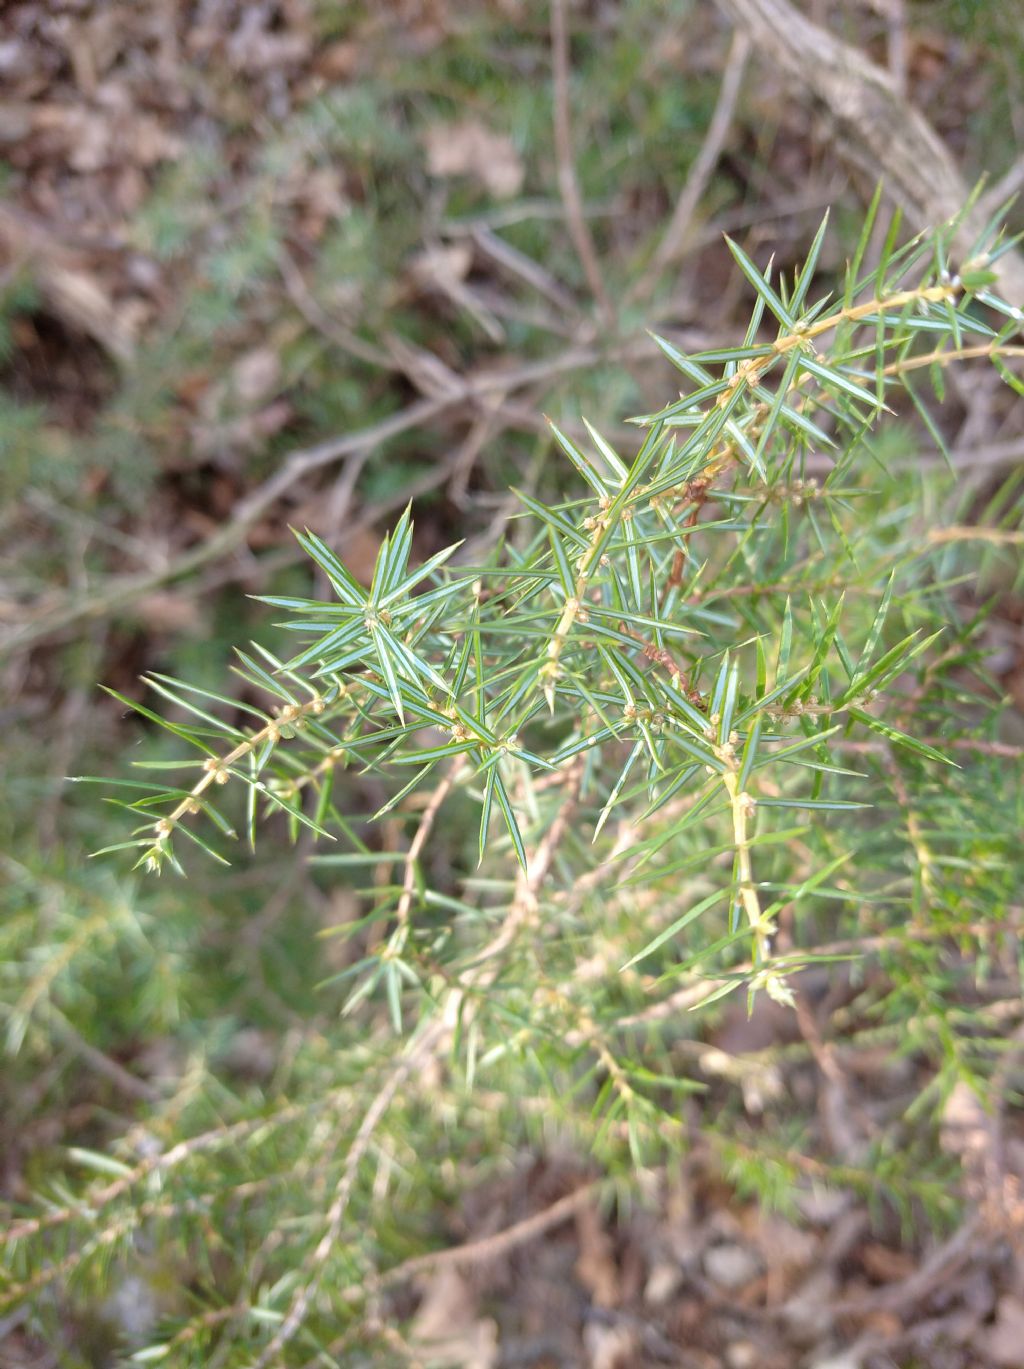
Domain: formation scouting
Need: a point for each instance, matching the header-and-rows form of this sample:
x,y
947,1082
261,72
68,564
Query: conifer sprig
x,y
430,648
720,716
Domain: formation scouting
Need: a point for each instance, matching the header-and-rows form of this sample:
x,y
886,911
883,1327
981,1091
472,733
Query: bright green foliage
x,y
714,720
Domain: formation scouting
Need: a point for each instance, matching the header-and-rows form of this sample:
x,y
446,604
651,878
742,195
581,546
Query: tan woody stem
x,y
217,769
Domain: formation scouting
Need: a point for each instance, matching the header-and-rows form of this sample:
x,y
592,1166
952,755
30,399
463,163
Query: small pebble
x,y
664,1279
846,1359
807,1314
731,1266
742,1354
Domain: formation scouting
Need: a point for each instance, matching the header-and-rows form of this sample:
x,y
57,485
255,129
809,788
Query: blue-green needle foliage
x,y
712,721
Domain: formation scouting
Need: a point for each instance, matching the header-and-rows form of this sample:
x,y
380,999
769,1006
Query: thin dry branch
x,y
126,590
322,322
978,745
879,130
493,1247
680,225
425,1047
895,18
101,1063
940,1264
568,185
423,830
523,267
422,1049
97,1199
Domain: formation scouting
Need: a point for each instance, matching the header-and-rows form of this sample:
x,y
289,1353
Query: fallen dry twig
x,y
568,186
681,222
424,1048
879,129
